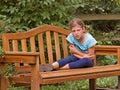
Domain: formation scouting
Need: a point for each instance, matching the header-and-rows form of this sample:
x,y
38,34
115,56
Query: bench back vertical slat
x,y
5,43
15,48
95,59
64,45
49,47
41,49
32,44
118,56
15,45
57,46
24,45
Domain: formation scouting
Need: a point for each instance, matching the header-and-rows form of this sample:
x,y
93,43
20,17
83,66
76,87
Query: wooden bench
x,y
45,44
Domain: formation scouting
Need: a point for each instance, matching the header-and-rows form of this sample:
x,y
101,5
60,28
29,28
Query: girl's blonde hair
x,y
76,21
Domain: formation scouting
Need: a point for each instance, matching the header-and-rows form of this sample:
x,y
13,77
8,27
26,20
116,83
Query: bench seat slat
x,y
80,77
74,74
23,69
83,71
24,79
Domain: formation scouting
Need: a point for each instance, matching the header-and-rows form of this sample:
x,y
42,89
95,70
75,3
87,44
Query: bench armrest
x,y
107,50
20,57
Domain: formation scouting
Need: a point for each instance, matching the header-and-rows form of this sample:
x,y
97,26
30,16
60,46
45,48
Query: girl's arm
x,y
91,53
75,52
79,54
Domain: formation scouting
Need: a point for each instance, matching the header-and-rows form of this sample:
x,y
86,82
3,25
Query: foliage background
x,y
21,15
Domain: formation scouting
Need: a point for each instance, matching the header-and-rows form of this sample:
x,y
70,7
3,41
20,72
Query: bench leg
x,y
92,84
0,82
35,85
3,81
118,83
35,80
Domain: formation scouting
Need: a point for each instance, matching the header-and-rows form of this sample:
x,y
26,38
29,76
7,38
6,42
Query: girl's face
x,y
78,32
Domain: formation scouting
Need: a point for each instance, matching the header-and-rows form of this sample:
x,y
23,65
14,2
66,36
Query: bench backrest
x,y
50,41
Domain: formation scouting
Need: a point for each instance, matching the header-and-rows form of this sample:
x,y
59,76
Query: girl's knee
x,y
89,62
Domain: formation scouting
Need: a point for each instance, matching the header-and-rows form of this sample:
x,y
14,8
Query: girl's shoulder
x,y
88,35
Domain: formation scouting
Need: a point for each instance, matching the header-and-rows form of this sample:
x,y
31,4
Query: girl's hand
x,y
72,49
89,56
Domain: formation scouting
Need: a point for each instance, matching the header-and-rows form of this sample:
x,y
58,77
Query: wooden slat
x,y
80,77
64,45
35,31
15,48
106,53
41,49
24,45
57,46
15,45
83,71
95,63
23,69
24,79
5,43
22,53
99,16
18,59
106,50
32,44
106,47
118,55
49,47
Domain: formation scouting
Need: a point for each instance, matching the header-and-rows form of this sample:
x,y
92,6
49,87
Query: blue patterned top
x,y
89,41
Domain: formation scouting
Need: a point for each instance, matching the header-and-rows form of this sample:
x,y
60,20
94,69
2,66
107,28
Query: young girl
x,y
81,48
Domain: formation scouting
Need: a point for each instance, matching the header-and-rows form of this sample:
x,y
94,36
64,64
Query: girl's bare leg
x,y
65,67
56,66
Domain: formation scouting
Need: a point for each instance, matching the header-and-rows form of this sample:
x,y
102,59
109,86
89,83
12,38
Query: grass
x,y
109,82
73,85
